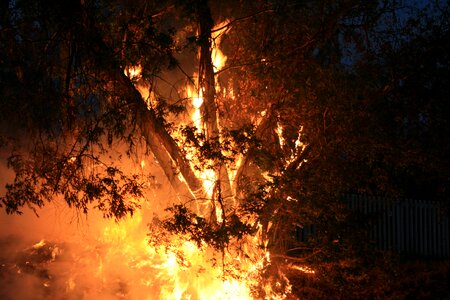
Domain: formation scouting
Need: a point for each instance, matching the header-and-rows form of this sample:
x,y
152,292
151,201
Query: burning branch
x,y
158,139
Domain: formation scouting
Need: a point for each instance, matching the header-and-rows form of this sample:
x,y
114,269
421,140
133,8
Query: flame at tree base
x,y
171,267
122,262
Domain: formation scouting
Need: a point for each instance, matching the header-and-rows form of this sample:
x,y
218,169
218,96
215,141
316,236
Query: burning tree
x,y
259,115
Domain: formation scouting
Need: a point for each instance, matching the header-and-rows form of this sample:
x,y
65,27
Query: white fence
x,y
411,227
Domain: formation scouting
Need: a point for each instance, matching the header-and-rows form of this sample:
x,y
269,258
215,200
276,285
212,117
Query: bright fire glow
x,y
304,269
122,264
217,57
176,268
134,72
279,131
197,102
207,176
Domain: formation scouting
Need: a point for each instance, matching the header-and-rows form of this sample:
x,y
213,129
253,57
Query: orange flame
x,y
178,270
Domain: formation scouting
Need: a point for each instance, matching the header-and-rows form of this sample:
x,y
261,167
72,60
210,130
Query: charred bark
x,y
207,86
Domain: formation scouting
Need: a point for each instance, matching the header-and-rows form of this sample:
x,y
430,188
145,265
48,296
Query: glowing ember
x,y
304,269
39,245
279,131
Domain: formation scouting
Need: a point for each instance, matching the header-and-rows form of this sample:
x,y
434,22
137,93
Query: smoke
x,y
75,257
64,254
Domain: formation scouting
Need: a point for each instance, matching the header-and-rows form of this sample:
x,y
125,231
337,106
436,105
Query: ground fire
x,y
121,263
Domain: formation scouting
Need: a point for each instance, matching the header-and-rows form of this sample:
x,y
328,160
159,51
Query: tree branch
x,y
158,139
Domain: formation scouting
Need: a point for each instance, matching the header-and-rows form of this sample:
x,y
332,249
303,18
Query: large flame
x,y
207,175
173,268
162,265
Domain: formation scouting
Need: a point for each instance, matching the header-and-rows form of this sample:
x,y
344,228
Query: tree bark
x,y
207,86
160,142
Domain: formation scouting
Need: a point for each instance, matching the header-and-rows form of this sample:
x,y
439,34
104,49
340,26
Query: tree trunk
x,y
207,86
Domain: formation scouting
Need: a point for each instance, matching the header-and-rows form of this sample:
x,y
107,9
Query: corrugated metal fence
x,y
411,227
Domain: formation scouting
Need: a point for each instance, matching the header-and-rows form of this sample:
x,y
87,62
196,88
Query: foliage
x,y
35,183
199,230
386,278
60,112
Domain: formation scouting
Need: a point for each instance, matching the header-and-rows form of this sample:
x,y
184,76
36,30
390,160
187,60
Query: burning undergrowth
x,y
132,260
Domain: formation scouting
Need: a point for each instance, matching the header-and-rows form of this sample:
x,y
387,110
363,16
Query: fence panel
x,y
411,227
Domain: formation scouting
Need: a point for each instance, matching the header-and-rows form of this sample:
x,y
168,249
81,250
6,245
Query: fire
x,y
279,131
218,58
144,88
123,261
129,260
134,72
197,102
173,268
304,269
208,176
167,266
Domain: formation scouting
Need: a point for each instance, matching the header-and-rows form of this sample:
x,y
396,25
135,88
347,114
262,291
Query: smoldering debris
x,y
49,270
26,272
